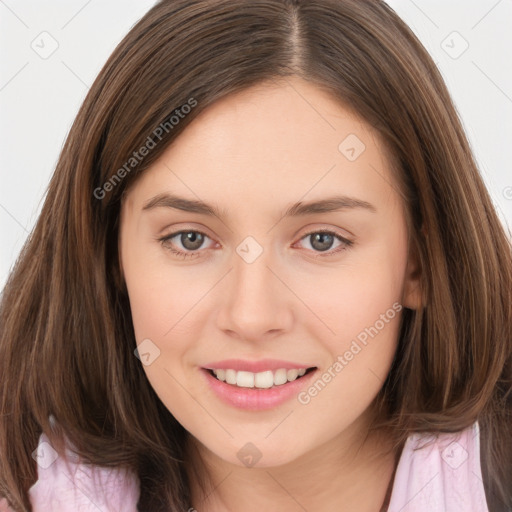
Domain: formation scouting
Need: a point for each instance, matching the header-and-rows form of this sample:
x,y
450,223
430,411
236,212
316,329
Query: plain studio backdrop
x,y
51,55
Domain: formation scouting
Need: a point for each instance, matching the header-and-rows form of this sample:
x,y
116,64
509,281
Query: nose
x,y
257,304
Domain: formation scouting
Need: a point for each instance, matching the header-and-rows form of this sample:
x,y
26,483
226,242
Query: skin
x,y
253,154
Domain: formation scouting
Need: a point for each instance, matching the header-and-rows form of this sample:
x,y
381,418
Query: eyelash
x,y
346,244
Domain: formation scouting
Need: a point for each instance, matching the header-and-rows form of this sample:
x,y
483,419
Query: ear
x,y
412,291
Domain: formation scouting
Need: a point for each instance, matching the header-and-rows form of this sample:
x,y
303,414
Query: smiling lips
x,y
262,374
255,366
262,380
256,385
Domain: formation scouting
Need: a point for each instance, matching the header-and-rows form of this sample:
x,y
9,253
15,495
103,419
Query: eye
x,y
322,241
190,240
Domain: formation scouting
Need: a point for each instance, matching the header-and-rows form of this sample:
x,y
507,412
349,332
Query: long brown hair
x,y
67,340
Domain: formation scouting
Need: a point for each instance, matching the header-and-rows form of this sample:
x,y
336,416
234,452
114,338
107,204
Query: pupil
x,y
323,246
191,240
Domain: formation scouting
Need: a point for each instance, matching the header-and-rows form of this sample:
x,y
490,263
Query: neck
x,y
349,472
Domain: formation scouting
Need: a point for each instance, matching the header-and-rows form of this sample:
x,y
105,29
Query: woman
x,y
240,114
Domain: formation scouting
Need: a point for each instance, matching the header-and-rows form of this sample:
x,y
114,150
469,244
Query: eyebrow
x,y
327,205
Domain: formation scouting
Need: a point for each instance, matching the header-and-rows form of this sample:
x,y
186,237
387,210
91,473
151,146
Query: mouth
x,y
257,384
272,383
267,379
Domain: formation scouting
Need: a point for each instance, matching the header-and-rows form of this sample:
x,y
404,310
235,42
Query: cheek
x,y
163,296
360,354
349,301
164,307
360,312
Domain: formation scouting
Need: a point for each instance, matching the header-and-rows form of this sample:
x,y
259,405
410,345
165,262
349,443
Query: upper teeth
x,y
265,379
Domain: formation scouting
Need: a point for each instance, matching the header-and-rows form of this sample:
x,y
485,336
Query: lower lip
x,y
254,399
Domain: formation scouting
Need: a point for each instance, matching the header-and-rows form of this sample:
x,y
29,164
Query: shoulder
x,y
66,483
440,472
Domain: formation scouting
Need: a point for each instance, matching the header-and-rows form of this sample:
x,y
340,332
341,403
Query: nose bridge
x,y
257,301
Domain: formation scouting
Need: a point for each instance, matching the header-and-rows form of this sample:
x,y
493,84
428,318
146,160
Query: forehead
x,y
278,142
277,122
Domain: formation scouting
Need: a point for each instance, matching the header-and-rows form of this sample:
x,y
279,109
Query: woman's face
x,y
271,283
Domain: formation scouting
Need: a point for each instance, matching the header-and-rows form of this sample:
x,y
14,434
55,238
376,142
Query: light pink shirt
x,y
444,476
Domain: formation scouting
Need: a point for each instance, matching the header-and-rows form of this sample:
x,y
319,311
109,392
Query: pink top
x,y
443,476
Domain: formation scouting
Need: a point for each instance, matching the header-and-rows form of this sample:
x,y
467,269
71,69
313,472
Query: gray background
x,y
40,92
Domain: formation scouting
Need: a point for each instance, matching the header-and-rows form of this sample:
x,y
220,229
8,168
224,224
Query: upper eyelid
x,y
322,228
